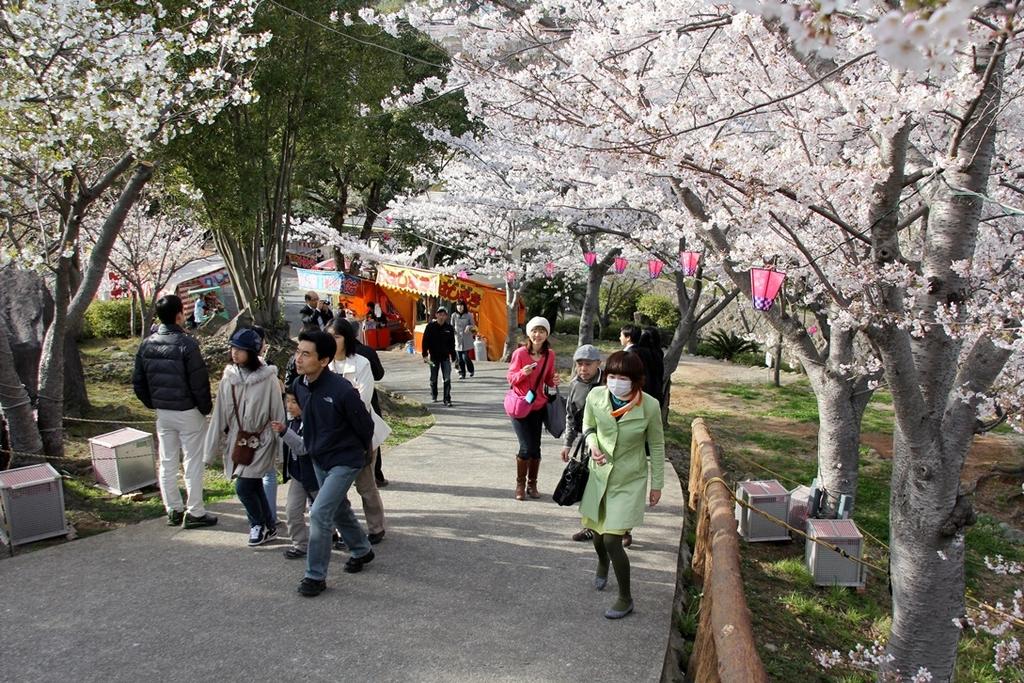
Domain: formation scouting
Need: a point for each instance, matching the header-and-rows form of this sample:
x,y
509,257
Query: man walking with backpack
x,y
171,377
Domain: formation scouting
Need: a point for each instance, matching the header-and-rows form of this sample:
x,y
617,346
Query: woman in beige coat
x,y
248,399
622,423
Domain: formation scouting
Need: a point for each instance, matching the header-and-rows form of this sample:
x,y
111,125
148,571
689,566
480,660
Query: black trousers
x,y
528,431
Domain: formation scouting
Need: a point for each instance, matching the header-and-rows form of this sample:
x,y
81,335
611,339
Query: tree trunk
x,y
935,426
76,398
591,303
15,403
511,321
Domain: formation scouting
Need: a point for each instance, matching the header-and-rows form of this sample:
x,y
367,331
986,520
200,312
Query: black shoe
x,y
175,517
583,535
448,402
311,588
294,553
433,399
355,564
382,482
258,535
376,538
271,532
340,544
198,522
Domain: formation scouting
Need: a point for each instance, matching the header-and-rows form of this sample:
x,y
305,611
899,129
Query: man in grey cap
x,y
587,362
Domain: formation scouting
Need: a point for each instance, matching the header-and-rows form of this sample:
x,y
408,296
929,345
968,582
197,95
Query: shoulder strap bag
x,y
243,451
573,482
517,406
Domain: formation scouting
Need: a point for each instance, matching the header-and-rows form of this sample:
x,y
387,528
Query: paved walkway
x,y
469,584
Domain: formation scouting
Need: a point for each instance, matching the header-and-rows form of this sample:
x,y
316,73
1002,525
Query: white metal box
x,y
769,497
31,504
124,460
828,567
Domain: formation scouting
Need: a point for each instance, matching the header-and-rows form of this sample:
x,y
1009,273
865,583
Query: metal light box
x,y
124,460
770,497
828,567
31,504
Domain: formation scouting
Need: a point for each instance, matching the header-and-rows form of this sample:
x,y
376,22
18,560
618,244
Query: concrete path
x,y
468,585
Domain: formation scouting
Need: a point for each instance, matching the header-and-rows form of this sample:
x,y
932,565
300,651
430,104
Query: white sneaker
x,y
257,536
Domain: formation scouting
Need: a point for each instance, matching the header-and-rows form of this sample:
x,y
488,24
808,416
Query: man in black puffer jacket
x,y
171,377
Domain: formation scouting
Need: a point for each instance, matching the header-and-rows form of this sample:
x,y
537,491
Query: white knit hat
x,y
538,321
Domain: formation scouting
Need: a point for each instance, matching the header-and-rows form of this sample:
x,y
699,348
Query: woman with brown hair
x,y
620,419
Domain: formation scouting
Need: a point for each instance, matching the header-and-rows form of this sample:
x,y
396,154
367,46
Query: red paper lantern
x,y
688,261
654,267
590,258
620,265
549,269
765,284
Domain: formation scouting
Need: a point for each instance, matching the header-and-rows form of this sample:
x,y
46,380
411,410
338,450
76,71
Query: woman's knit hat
x,y
539,321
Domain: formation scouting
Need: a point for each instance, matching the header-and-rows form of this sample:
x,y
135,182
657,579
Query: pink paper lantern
x,y
549,269
389,220
510,276
590,258
654,268
764,287
688,261
620,265
462,275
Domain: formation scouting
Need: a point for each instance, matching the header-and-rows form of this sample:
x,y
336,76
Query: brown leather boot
x,y
531,485
521,466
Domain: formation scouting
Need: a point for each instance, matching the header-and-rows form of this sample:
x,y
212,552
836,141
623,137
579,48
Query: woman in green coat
x,y
621,420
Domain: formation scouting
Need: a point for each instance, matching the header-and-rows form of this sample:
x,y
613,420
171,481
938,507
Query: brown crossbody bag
x,y
243,451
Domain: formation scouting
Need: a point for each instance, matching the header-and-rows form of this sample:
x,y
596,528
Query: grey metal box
x,y
31,504
769,497
828,567
124,460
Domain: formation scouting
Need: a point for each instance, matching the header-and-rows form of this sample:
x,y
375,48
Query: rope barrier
x,y
59,458
112,422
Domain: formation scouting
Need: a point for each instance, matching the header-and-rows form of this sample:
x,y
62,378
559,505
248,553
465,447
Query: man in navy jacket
x,y
336,431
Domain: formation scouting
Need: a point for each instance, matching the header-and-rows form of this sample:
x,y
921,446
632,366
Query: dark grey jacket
x,y
170,373
575,401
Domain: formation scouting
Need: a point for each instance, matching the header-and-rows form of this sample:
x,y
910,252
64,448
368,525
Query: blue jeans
x,y
445,367
254,500
331,510
270,487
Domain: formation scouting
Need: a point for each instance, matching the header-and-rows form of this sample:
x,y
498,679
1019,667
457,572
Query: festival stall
x,y
406,286
357,298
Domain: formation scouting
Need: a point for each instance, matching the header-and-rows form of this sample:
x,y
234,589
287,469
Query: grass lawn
x,y
92,510
767,432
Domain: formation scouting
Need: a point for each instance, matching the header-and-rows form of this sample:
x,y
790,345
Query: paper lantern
x,y
764,287
620,265
688,261
510,276
654,267
590,258
462,275
549,269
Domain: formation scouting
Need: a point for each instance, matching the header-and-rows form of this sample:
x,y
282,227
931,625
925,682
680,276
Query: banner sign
x,y
408,279
327,282
453,289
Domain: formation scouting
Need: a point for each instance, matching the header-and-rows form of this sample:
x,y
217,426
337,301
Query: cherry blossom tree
x,y
164,231
90,90
870,153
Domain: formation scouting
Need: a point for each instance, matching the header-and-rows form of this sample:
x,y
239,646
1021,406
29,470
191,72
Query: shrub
x,y
611,332
624,300
108,319
569,324
727,345
659,309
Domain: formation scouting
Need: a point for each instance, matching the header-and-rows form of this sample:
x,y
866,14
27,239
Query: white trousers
x,y
177,431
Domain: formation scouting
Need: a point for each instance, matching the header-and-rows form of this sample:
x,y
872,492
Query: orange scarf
x,y
634,401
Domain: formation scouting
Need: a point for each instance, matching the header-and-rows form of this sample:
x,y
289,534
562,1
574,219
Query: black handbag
x,y
573,481
554,416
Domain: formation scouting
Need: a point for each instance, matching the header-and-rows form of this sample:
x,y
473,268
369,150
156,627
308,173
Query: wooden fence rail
x,y
724,648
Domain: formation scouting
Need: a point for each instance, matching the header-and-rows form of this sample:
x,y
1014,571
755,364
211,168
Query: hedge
x,y
108,319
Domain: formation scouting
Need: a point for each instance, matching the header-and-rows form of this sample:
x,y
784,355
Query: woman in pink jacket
x,y
531,371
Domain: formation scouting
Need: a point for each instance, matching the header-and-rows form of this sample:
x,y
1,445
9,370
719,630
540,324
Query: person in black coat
x,y
316,313
629,337
171,377
650,340
439,352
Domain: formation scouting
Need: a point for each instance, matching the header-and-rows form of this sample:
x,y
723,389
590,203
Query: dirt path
x,y
700,369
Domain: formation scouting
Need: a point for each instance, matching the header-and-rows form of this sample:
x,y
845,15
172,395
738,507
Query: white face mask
x,y
620,388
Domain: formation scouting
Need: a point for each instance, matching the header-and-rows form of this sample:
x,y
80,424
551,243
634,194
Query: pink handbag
x,y
516,406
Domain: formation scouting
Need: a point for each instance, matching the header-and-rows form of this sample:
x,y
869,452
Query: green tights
x,y
609,548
